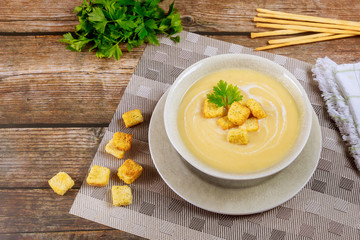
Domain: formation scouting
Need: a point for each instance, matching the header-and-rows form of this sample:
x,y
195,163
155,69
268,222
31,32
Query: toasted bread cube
x,y
61,183
210,110
255,108
251,124
98,176
129,171
238,136
110,148
122,141
238,113
225,123
132,118
121,195
242,102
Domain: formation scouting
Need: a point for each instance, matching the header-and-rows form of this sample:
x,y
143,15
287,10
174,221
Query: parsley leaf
x,y
224,94
97,15
103,24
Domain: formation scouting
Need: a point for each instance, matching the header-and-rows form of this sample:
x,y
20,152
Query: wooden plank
x,y
200,16
45,54
105,234
37,10
40,210
61,98
43,83
37,26
31,156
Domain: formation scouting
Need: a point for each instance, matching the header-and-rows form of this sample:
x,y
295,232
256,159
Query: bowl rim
x,y
203,167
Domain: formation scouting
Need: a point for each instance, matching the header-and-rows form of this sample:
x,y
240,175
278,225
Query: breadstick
x,y
274,33
303,41
277,14
311,24
306,28
285,40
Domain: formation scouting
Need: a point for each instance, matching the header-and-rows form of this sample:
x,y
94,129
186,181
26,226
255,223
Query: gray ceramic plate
x,y
179,176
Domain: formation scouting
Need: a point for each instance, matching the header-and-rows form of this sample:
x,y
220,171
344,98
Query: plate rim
x,y
162,102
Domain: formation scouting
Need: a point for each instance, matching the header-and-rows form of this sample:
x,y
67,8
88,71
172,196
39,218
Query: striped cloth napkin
x,y
340,87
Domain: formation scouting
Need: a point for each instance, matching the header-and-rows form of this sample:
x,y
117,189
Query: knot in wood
x,y
187,20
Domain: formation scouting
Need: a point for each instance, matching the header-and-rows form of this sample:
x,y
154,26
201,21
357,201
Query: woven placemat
x,y
327,208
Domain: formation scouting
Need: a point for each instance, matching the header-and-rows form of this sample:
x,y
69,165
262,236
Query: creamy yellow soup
x,y
206,140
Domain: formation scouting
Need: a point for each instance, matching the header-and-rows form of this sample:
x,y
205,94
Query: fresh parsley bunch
x,y
106,23
224,94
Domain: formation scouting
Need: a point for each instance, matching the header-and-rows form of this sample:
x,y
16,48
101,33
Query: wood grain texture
x,y
40,210
26,26
61,98
40,79
31,156
45,54
109,234
200,16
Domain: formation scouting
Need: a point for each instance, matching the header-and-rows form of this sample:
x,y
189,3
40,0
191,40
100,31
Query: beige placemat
x,y
327,208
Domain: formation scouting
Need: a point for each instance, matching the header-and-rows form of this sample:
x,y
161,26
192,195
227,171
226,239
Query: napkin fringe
x,y
336,105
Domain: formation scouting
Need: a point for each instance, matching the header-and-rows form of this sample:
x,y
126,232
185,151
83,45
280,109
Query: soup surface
x,y
207,141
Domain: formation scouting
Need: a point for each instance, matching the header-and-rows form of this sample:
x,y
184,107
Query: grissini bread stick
x,y
277,14
310,24
305,28
303,41
275,33
285,40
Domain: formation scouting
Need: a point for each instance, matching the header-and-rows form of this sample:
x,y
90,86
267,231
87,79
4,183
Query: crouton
x,y
238,113
255,108
242,102
238,136
121,195
251,124
98,176
122,141
61,183
210,110
132,118
225,123
129,171
110,148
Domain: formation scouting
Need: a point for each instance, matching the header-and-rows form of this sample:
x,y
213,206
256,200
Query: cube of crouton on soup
x,y
98,176
238,136
210,110
122,141
225,123
251,124
129,171
256,108
121,195
61,183
238,113
111,149
242,102
132,118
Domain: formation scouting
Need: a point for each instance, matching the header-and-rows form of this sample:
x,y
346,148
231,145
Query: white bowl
x,y
212,64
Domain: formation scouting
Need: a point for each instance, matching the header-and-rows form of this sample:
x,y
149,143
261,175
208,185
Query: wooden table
x,y
55,104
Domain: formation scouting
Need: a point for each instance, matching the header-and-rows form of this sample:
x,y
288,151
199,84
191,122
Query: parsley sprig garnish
x,y
224,94
106,23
